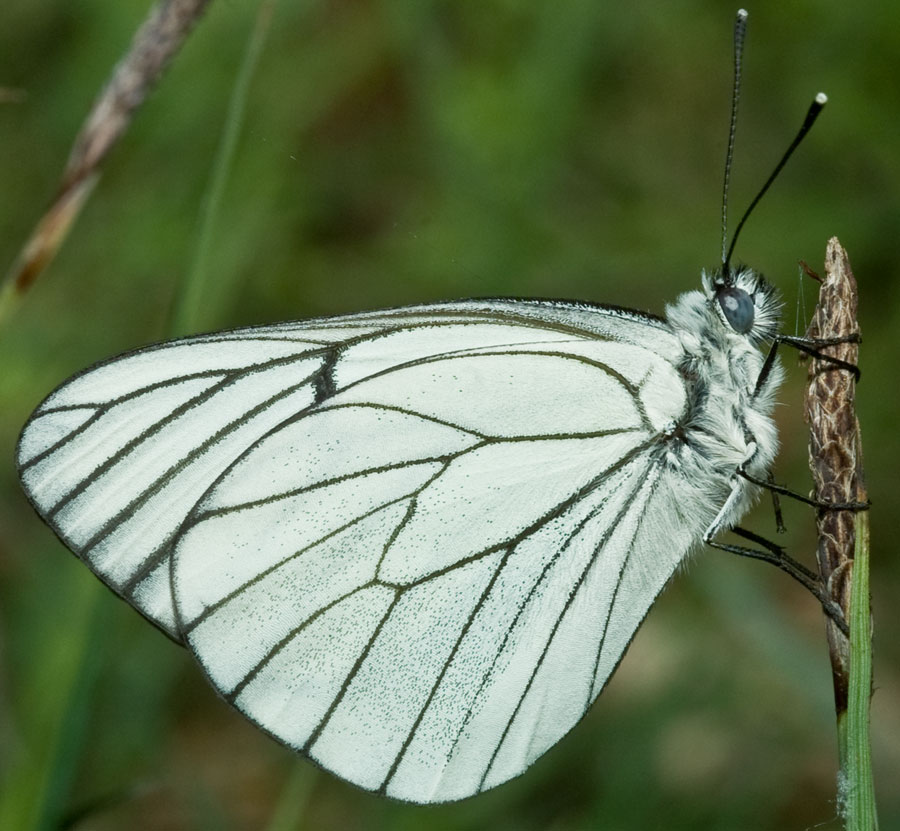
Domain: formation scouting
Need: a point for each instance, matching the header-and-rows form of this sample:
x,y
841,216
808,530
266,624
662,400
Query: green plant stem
x,y
187,312
853,729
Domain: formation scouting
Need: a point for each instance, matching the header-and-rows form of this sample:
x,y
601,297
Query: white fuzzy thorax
x,y
729,423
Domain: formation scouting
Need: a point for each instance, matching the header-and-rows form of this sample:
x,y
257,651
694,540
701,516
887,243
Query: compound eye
x,y
737,306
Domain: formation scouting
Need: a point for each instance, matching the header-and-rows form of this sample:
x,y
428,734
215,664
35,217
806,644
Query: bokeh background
x,y
400,151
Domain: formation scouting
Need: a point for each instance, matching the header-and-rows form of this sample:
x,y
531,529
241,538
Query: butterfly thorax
x,y
728,422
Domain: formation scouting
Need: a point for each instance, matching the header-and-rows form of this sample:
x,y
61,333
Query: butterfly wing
x,y
411,544
423,580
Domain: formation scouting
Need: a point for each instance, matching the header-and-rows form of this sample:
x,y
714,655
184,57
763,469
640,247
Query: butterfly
x,y
414,544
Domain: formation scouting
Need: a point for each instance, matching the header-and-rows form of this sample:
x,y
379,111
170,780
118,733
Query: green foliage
x,y
397,152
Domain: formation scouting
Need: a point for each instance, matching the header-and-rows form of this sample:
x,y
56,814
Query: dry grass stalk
x,y
835,451
155,43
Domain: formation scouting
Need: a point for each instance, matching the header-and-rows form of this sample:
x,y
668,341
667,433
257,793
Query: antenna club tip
x,y
821,99
742,14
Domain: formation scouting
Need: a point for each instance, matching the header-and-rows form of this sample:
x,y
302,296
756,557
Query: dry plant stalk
x,y
835,450
157,40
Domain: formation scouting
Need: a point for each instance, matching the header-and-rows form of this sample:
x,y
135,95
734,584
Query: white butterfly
x,y
414,544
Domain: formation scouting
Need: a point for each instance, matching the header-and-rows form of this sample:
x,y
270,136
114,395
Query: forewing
x,y
424,580
116,457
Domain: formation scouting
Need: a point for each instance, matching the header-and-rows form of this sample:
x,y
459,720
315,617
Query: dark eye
x,y
737,306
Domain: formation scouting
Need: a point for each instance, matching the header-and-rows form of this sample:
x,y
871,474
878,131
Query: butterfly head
x,y
744,302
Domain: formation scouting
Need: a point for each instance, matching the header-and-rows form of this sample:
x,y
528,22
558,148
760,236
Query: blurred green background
x,y
415,150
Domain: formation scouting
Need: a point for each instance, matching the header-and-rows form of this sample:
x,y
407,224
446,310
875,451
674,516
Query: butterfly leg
x,y
809,346
768,484
771,553
776,506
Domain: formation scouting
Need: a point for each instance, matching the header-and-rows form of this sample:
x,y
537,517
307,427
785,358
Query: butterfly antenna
x,y
812,114
740,32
